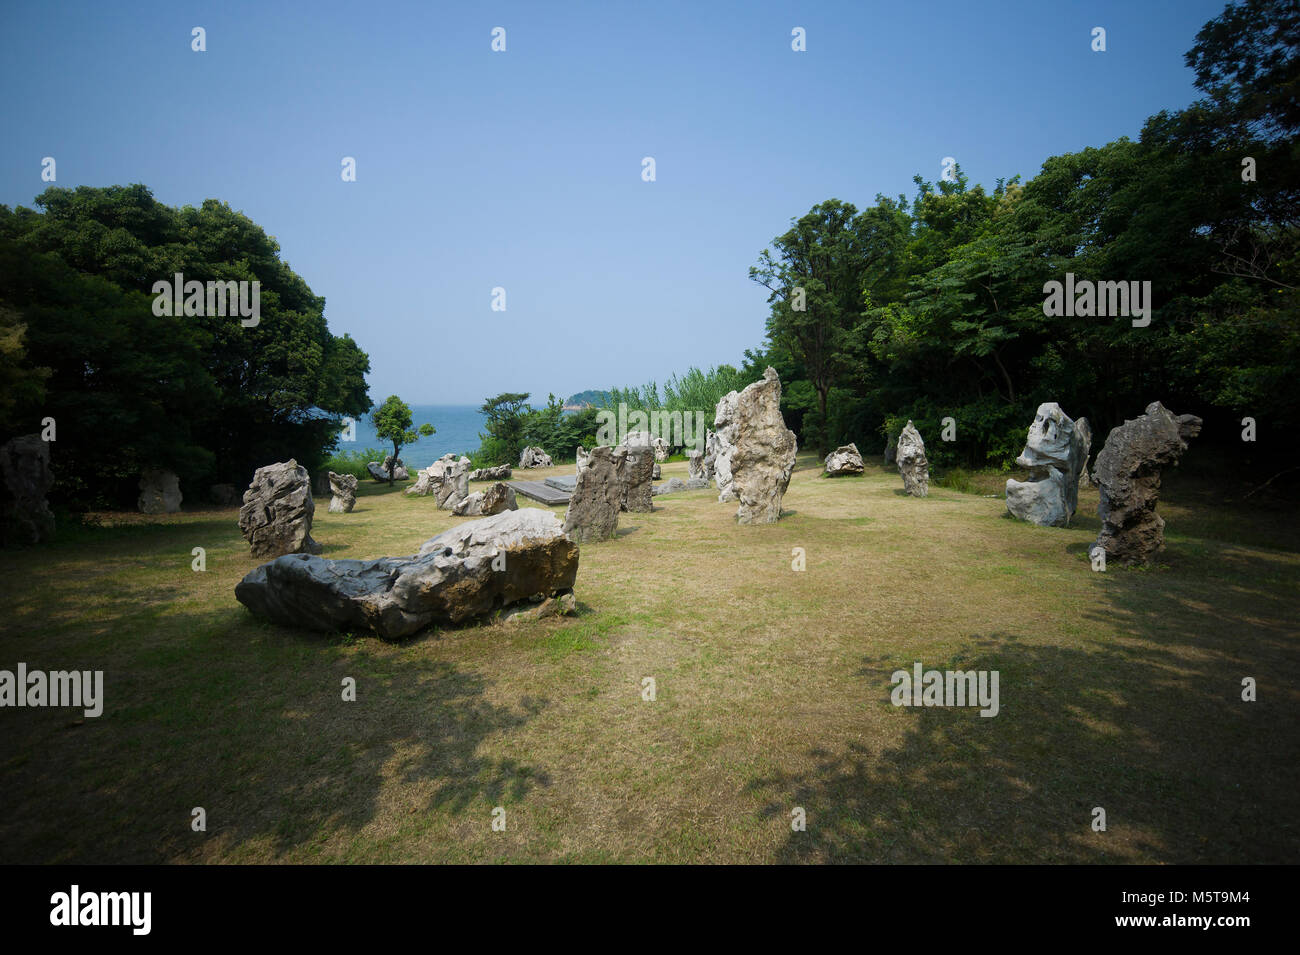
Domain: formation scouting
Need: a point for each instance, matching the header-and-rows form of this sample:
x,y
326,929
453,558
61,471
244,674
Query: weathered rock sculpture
x,y
468,571
500,472
534,458
912,463
694,463
1055,453
597,497
447,479
635,468
844,460
492,500
25,466
724,444
1085,434
763,451
277,513
710,454
343,490
1127,475
160,493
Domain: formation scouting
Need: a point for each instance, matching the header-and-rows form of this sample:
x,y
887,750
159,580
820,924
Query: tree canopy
x,y
203,395
934,307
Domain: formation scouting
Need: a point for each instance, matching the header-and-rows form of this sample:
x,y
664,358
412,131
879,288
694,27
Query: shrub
x,y
354,462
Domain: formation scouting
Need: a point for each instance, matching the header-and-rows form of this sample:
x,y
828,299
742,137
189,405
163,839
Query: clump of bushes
x,y
354,462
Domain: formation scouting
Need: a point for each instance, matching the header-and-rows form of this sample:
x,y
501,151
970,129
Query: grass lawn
x,y
1120,690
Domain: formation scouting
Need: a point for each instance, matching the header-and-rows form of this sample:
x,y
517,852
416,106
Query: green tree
x,y
507,416
392,421
266,392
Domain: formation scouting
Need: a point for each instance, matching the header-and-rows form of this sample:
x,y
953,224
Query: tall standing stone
x,y
25,465
710,454
1127,475
597,497
635,467
724,423
912,462
1055,452
160,492
763,451
343,491
695,463
277,513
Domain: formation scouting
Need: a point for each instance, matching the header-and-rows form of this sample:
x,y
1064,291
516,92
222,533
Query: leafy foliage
x,y
201,395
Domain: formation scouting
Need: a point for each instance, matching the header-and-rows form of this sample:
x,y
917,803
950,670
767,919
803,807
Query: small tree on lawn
x,y
392,423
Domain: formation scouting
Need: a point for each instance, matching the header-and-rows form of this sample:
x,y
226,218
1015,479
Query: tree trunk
x,y
822,394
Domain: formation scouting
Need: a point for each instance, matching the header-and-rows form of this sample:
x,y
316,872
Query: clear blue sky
x,y
522,169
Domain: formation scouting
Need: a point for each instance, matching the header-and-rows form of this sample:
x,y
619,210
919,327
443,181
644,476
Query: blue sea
x,y
458,427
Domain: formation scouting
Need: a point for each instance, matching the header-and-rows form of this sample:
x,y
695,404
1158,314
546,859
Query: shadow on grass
x,y
1149,724
247,720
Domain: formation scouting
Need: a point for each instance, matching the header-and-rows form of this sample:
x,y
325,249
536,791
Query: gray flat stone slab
x,y
541,492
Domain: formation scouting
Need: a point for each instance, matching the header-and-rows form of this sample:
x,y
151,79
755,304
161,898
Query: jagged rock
x,y
762,453
581,457
646,443
534,458
500,472
160,492
462,573
635,468
380,471
223,494
343,491
644,439
844,460
694,464
447,479
677,484
724,444
492,500
1127,474
1055,452
710,454
277,513
597,497
912,463
669,486
1085,434
25,465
